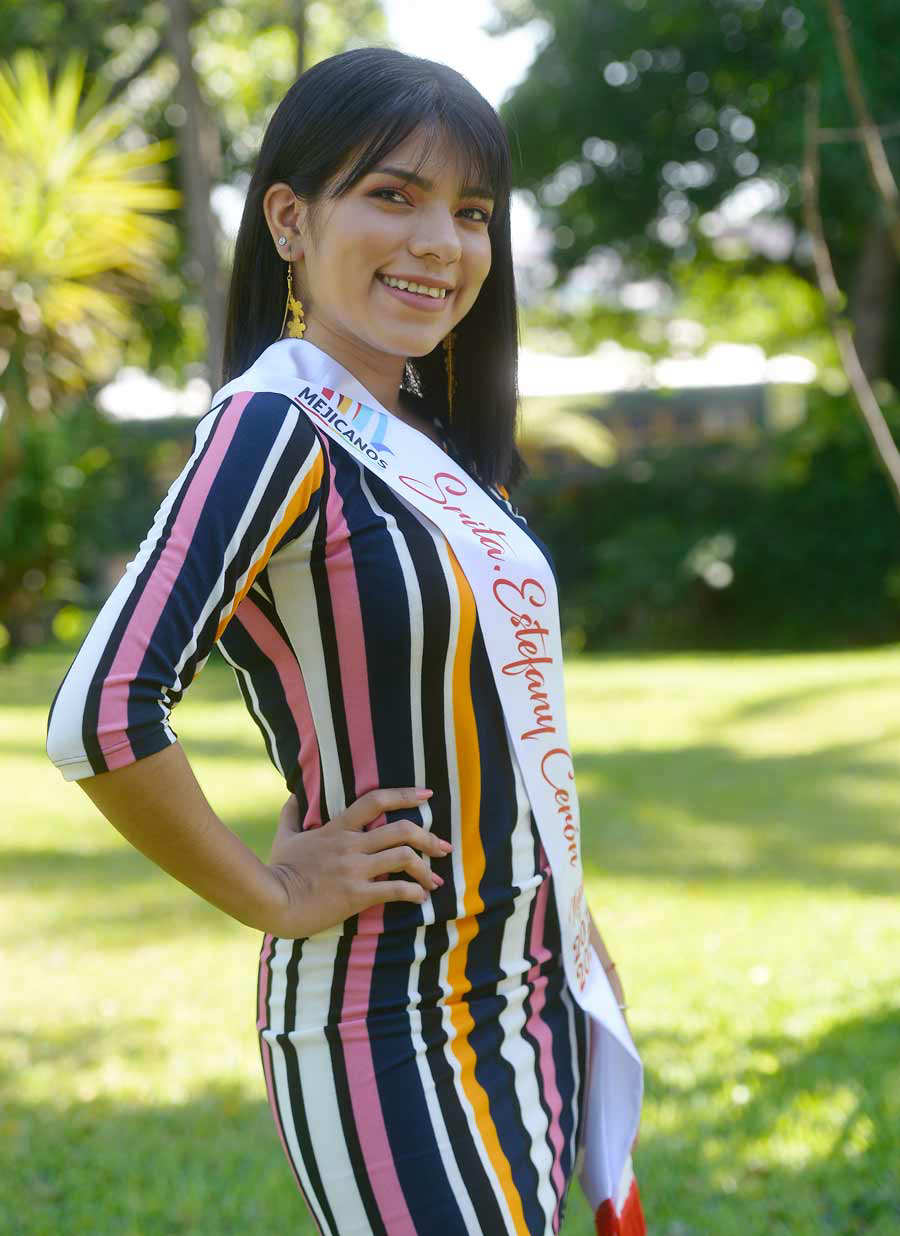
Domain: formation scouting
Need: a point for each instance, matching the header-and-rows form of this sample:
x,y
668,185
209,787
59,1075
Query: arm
x,y
612,974
252,482
317,877
608,964
157,804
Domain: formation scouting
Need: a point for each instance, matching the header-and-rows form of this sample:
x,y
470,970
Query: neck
x,y
379,372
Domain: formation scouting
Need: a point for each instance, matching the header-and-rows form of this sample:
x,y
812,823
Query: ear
x,y
285,215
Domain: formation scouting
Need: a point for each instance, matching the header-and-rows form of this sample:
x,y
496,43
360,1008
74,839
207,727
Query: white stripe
x,y
314,985
258,715
416,702
515,1048
295,602
65,745
459,882
217,596
278,962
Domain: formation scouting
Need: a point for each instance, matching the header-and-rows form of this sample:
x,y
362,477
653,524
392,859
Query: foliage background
x,y
740,797
661,148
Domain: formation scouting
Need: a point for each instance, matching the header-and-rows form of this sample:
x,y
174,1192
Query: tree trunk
x,y
199,156
300,30
872,299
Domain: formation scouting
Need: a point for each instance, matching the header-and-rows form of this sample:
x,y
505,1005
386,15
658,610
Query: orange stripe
x,y
469,770
295,508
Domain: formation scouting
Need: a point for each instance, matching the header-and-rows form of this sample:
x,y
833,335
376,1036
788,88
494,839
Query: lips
x,y
419,287
417,300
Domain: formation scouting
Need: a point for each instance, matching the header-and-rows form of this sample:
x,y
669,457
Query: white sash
x,y
516,601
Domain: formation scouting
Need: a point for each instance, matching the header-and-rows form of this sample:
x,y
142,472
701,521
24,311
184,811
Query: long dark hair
x,y
356,107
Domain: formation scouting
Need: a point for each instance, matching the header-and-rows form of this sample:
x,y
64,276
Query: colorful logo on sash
x,y
350,425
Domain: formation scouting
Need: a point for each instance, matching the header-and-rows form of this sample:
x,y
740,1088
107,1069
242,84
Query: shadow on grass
x,y
115,894
212,1166
43,870
772,705
701,813
709,813
722,1173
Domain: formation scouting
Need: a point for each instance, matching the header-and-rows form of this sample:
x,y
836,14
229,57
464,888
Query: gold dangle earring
x,y
448,364
297,325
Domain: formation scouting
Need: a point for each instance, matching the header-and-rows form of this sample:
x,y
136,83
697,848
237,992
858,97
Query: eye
x,y
486,214
379,192
393,194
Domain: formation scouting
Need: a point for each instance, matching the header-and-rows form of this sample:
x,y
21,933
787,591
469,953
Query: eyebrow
x,y
414,178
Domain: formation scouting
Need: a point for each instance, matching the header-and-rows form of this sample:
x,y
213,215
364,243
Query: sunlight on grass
x,y
741,824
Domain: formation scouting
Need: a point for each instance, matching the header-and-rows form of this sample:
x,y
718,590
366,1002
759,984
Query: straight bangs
x,y
445,124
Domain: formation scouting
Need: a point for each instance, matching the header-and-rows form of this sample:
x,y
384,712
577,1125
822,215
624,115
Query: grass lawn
x,y
741,823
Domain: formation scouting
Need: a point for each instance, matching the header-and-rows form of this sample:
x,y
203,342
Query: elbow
x,y
65,746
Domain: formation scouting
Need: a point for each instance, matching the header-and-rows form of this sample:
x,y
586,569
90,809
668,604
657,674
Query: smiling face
x,y
400,223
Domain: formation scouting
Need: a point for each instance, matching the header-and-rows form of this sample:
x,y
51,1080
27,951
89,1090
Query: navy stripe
x,y
260,422
300,1121
92,703
341,1082
325,624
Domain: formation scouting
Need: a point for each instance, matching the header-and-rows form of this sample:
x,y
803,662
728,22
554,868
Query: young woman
x,y
432,995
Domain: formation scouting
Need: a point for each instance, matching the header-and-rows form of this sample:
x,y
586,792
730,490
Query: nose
x,y
435,233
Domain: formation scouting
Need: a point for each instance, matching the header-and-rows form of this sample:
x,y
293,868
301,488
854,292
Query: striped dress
x,y
423,1063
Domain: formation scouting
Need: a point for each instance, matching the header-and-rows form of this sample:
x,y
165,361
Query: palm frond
x,y
81,207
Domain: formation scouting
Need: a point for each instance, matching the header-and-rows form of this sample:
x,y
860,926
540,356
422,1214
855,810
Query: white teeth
x,y
435,293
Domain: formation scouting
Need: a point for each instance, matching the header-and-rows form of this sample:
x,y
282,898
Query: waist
x,y
326,980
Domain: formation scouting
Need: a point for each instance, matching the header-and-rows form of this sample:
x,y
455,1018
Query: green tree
x,y
206,75
644,127
81,194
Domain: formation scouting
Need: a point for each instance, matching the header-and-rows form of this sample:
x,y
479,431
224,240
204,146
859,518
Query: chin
x,y
409,343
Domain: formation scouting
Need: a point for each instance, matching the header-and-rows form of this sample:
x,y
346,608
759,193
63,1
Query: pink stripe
x,y
112,724
270,641
539,1029
364,1099
351,642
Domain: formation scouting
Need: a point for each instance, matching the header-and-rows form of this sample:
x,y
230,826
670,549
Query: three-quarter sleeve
x,y
253,483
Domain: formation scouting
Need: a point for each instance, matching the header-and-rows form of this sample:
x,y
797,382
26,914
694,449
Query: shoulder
x,y
260,417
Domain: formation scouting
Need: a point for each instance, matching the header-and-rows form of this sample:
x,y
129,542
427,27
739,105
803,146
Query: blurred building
x,y
583,412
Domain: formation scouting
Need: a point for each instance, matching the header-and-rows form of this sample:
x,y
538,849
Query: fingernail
x,y
446,846
437,880
423,794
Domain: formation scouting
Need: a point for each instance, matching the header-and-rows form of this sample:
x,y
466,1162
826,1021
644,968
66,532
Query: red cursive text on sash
x,y
447,486
556,767
531,645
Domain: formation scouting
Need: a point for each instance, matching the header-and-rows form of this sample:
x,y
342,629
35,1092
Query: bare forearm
x,y
612,972
597,941
157,804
